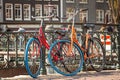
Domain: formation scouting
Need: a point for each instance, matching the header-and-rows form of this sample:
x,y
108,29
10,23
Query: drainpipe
x,y
62,9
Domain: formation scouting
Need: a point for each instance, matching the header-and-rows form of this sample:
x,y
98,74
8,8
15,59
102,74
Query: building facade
x,y
96,12
22,10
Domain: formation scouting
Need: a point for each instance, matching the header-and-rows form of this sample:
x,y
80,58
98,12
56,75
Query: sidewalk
x,y
89,75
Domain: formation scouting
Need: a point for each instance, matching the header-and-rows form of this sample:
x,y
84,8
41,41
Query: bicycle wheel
x,y
62,63
32,57
96,54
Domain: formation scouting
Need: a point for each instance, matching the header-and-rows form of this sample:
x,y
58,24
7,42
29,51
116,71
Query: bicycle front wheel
x,y
96,54
32,57
63,63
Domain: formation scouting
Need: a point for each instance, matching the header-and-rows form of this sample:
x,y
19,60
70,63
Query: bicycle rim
x,y
63,64
32,57
96,54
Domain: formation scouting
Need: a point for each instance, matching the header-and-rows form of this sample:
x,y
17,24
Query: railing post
x,y
8,50
16,49
44,72
118,40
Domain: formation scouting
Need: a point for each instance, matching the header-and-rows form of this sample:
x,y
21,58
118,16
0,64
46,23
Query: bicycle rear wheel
x,y
62,63
96,54
32,57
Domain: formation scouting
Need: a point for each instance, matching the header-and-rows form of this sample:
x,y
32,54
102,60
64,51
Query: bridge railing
x,y
12,54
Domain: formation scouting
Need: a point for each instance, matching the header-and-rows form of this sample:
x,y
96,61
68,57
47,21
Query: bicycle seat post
x,y
41,24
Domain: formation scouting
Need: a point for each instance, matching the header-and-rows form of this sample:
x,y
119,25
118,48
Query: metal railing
x,y
12,54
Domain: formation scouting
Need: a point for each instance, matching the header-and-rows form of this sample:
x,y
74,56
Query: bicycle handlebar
x,y
70,18
43,17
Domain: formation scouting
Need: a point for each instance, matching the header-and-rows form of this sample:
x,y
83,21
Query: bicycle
x,y
86,52
33,54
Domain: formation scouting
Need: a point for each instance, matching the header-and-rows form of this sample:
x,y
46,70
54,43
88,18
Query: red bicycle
x,y
34,51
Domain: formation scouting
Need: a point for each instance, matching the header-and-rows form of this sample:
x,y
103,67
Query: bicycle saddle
x,y
60,32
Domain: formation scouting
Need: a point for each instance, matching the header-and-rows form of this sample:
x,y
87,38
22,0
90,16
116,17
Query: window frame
x,y
70,1
7,11
109,15
100,1
69,12
46,10
29,12
46,0
39,10
83,2
20,12
100,19
82,15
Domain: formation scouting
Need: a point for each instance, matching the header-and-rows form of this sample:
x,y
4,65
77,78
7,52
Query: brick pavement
x,y
89,75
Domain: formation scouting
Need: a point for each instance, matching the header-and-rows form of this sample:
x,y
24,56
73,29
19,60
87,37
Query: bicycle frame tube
x,y
74,39
42,38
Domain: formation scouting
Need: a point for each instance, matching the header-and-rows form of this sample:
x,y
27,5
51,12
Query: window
x,y
26,9
109,15
69,12
38,11
70,1
9,11
83,1
47,10
18,12
99,0
83,15
99,16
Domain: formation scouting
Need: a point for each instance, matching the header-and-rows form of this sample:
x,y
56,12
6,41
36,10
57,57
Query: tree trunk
x,y
114,6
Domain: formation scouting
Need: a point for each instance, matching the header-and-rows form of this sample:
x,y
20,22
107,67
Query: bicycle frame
x,y
75,40
42,38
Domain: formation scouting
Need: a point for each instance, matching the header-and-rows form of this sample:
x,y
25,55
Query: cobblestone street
x,y
89,75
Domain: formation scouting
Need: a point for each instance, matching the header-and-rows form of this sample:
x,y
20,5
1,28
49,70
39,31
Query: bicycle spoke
x,y
65,64
33,57
96,55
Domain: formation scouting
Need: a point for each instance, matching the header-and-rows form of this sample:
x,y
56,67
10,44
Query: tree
x,y
114,6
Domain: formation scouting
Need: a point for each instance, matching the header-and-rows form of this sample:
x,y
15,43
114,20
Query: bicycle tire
x,y
32,61
63,64
96,54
